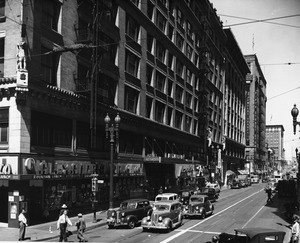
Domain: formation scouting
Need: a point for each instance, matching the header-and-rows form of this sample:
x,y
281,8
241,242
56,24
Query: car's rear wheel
x,y
131,224
203,215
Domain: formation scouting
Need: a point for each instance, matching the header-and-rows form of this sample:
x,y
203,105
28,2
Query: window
x,y
160,81
179,41
189,76
160,51
161,21
150,8
135,2
170,88
131,99
49,66
2,8
159,112
178,94
2,41
188,123
148,106
189,52
132,63
149,74
178,119
4,115
170,61
149,43
179,68
170,32
132,28
188,99
169,118
189,29
180,20
50,13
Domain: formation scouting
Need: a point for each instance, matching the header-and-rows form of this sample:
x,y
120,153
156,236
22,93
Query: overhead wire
x,y
283,93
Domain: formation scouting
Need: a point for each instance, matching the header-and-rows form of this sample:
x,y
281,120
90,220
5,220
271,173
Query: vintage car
x,y
169,196
166,215
130,213
214,185
235,184
199,205
210,192
251,235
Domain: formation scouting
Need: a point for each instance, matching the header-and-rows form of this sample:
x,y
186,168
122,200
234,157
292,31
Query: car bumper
x,y
115,222
151,225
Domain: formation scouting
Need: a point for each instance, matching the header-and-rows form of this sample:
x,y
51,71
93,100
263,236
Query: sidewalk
x,y
48,231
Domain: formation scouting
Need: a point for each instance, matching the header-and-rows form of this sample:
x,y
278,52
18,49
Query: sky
x,y
276,43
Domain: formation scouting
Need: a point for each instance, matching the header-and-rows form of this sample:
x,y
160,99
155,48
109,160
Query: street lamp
x,y
295,113
112,132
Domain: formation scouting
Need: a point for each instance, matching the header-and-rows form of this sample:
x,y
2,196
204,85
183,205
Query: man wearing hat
x,y
295,229
62,223
81,226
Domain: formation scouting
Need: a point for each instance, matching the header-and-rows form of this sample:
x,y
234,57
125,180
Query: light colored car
x,y
166,215
215,186
199,205
167,197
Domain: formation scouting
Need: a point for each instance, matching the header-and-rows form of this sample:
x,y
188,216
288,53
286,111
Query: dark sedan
x,y
210,192
130,213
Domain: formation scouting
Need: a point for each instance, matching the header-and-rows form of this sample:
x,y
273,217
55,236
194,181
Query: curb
x,y
74,231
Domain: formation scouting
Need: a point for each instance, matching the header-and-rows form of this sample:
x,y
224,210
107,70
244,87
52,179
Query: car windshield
x,y
161,207
161,198
205,190
197,199
185,194
127,205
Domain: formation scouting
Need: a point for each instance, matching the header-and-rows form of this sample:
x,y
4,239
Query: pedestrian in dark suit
x,y
81,226
23,224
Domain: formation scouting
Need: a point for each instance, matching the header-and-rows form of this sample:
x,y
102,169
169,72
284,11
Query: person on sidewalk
x,y
62,223
23,224
81,226
295,230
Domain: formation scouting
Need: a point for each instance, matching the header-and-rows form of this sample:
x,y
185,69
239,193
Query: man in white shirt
x,y
62,223
23,224
295,229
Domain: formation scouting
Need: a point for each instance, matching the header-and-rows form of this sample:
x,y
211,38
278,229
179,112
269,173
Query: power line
x,y
284,63
251,21
284,93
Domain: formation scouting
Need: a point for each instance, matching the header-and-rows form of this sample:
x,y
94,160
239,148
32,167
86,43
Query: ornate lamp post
x,y
112,132
295,113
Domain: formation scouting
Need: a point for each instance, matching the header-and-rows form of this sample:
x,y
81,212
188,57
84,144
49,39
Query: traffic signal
x,y
94,184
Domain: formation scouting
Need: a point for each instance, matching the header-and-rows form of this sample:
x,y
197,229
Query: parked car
x,y
166,215
199,205
210,192
251,235
167,197
130,213
214,185
235,184
242,183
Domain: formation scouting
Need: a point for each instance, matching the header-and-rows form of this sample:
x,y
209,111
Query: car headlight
x,y
148,218
113,214
197,208
187,207
123,214
159,218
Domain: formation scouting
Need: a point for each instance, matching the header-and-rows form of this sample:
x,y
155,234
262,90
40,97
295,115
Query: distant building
x,y
274,139
255,115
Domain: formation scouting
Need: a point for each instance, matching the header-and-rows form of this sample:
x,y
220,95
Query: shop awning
x,y
230,172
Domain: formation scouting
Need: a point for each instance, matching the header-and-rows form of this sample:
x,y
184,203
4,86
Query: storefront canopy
x,y
230,172
243,172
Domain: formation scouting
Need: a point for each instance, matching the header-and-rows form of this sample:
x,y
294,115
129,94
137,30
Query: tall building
x,y
255,115
157,64
234,107
274,139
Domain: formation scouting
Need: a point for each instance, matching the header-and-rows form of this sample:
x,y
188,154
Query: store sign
x,y
57,169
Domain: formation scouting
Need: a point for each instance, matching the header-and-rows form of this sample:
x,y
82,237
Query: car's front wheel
x,y
131,224
110,226
169,228
203,215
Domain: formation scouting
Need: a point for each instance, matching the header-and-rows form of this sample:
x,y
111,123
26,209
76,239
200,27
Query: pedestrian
x,y
295,230
23,224
62,223
269,193
160,191
81,226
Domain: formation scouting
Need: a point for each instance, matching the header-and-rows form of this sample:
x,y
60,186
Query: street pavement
x,y
47,231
